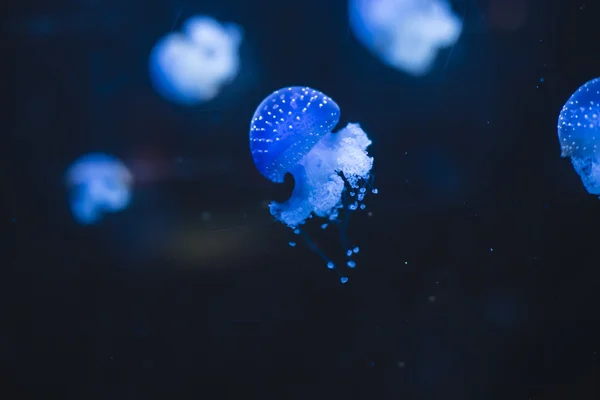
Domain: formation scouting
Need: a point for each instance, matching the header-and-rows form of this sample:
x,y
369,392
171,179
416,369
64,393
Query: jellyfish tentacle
x,y
328,262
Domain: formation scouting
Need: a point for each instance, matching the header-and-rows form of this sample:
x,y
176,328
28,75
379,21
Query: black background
x,y
478,272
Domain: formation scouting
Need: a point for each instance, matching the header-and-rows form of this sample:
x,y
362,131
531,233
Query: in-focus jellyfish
x,y
579,134
97,183
405,34
291,132
191,66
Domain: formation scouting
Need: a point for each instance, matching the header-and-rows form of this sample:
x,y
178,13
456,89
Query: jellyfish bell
x,y
404,34
218,44
579,133
205,31
291,132
578,129
191,66
286,126
174,63
97,183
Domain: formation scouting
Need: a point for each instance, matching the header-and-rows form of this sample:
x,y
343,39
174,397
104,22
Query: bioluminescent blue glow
x,y
191,66
579,133
290,132
98,183
405,34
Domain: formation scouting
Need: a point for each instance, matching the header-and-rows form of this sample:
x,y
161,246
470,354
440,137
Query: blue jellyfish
x,y
98,183
291,132
579,133
405,34
191,67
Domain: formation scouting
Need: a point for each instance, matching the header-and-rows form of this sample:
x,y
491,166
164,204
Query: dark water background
x,y
478,272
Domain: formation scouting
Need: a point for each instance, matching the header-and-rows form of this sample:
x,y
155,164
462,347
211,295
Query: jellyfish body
x,y
290,132
579,133
191,66
98,183
405,34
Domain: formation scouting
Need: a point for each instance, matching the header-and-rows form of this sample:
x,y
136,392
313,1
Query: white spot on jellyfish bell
x,y
191,66
97,183
405,34
579,134
327,167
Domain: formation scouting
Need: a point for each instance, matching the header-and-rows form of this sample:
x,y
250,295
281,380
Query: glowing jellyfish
x,y
290,132
405,34
192,66
579,133
98,183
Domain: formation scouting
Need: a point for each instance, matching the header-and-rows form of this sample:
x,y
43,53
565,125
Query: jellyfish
x,y
192,66
405,34
291,132
579,133
98,183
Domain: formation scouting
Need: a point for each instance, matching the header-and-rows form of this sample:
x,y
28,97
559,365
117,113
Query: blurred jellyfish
x,y
291,132
191,67
98,183
405,34
579,134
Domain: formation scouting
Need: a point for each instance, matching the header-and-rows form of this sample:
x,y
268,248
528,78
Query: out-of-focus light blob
x,y
98,183
405,34
290,132
579,133
191,66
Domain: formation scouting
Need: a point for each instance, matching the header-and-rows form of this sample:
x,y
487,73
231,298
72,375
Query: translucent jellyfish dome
x,y
291,132
405,34
285,128
98,183
579,134
191,66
